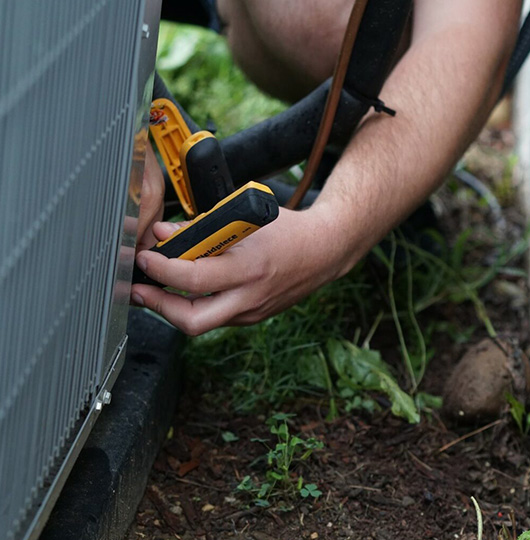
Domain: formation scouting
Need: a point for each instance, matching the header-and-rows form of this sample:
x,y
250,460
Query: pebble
x,y
176,509
407,501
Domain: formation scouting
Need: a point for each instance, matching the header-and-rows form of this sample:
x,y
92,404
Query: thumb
x,y
164,229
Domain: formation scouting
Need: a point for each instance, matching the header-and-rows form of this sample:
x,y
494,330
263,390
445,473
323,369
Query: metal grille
x,y
67,115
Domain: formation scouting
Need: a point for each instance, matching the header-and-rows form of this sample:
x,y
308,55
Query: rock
x,y
478,384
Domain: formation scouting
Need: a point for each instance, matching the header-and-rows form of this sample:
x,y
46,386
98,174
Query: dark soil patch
x,y
381,478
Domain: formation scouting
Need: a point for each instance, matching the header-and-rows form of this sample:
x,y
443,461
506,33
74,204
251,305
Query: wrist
x,y
337,238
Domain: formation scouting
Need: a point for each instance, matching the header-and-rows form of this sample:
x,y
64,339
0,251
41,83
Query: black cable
x,y
519,55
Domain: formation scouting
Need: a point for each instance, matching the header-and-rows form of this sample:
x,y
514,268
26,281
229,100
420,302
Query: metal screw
x,y
145,31
105,400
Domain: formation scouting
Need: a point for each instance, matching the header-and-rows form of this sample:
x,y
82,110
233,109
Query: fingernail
x,y
171,227
137,299
141,262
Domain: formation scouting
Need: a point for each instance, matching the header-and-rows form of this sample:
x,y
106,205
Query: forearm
x,y
443,90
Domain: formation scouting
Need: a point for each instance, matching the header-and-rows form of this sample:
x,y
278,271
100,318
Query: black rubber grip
x,y
252,206
208,174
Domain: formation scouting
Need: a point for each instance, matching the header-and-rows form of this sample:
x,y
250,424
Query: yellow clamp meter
x,y
195,163
228,222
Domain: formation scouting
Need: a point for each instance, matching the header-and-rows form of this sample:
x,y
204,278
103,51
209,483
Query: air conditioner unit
x,y
75,89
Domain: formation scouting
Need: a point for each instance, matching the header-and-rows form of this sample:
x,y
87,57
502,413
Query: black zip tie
x,y
378,104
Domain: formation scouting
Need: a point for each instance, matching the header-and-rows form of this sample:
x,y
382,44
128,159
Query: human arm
x,y
443,89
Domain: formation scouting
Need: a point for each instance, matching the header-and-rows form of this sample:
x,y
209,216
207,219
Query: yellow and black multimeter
x,y
228,222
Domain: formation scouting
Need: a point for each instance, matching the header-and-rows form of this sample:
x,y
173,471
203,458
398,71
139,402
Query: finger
x,y
152,198
194,316
213,274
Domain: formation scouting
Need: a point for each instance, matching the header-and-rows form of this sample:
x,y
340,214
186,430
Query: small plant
x,y
281,480
519,414
310,490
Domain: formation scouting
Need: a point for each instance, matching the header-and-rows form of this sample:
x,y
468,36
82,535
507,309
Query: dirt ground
x,y
381,478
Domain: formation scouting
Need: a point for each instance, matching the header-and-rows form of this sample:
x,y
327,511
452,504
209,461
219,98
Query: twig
x,y
196,484
514,526
365,488
468,435
419,461
239,513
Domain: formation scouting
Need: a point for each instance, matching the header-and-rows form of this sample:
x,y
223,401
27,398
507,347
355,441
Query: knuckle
x,y
258,307
158,306
192,328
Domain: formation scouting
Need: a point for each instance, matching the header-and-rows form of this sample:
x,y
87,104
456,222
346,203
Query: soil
x,y
381,478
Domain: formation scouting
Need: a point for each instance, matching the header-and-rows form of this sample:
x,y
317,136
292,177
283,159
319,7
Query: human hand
x,y
260,276
151,202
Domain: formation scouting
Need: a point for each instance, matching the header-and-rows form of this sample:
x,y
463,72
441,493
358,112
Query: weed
x,y
519,414
282,357
505,534
281,479
362,370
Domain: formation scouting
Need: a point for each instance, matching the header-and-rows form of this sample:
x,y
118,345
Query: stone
x,y
477,387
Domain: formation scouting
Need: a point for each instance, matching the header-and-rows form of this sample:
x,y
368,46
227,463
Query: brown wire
x,y
332,103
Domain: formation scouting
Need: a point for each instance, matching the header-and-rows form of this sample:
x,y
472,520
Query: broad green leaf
x,y
311,371
364,369
402,403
